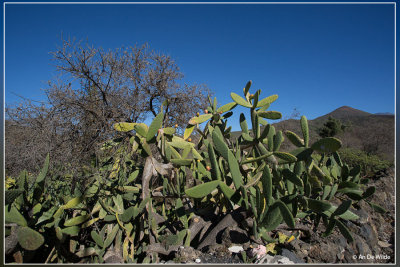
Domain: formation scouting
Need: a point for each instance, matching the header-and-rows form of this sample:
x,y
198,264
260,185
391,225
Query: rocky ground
x,y
373,235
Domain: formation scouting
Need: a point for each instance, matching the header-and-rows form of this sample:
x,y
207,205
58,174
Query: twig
x,y
51,254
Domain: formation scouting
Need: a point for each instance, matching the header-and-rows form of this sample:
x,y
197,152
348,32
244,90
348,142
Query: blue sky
x,y
315,57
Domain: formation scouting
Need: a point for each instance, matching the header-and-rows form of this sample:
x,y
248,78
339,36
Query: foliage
x,y
147,192
369,163
331,128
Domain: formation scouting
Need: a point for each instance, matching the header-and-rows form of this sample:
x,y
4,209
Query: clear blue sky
x,y
315,57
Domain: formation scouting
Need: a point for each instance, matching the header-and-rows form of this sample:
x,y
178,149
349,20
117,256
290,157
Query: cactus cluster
x,y
146,196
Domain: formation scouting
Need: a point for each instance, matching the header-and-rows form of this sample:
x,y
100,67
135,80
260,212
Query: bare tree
x,y
95,89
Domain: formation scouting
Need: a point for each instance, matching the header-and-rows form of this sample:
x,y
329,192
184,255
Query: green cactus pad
x,y
188,131
111,236
14,216
278,139
72,231
342,208
155,126
141,129
247,88
266,180
327,145
169,130
287,157
29,239
73,202
179,142
267,101
214,164
124,126
271,115
202,190
318,205
250,160
265,132
243,124
200,119
345,231
304,129
239,100
77,220
226,107
294,138
286,214
272,218
11,195
182,162
43,171
288,174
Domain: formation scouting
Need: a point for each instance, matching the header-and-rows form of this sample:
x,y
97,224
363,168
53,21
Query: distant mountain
x,y
343,113
384,113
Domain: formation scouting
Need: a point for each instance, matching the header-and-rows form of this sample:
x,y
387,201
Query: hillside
x,y
373,133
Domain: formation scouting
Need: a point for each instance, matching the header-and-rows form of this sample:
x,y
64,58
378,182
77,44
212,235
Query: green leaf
x,y
188,131
73,202
141,129
318,205
285,156
266,180
348,215
72,231
294,138
127,214
96,238
239,100
267,101
377,208
345,231
179,142
214,164
329,228
369,192
124,126
286,214
202,190
77,220
11,195
247,88
169,130
342,208
44,170
29,239
182,162
226,107
46,215
228,192
155,126
14,216
243,124
304,129
272,218
200,119
271,115
250,160
327,145
111,236
288,174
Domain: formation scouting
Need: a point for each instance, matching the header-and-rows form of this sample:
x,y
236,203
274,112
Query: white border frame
x,y
214,3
